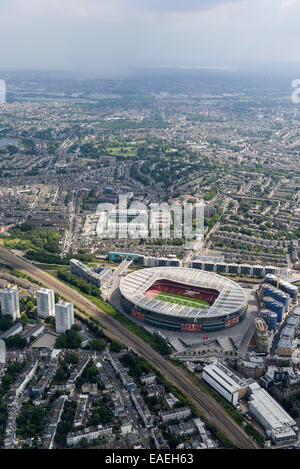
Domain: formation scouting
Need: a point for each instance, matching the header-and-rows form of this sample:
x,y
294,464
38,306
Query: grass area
x,y
182,300
125,151
47,267
18,243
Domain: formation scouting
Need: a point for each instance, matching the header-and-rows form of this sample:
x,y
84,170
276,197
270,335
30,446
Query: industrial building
x,y
279,426
226,382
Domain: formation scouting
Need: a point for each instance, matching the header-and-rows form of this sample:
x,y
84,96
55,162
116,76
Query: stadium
x,y
183,299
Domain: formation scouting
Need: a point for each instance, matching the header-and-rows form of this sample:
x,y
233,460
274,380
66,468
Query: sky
x,y
108,35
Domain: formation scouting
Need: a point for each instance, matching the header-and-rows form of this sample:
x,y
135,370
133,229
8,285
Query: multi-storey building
x,y
280,427
45,303
227,382
64,316
10,303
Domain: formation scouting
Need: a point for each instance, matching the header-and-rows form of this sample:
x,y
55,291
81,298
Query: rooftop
x,y
231,297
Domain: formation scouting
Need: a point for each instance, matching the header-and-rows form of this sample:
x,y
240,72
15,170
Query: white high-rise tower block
x,y
45,303
2,92
10,303
64,316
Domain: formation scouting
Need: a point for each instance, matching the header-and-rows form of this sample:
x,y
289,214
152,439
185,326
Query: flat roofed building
x,y
176,414
97,277
226,381
280,427
293,321
64,316
34,331
90,433
285,346
252,367
45,303
9,298
150,378
288,331
15,329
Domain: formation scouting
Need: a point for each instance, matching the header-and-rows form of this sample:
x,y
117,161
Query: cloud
x,y
180,5
102,34
288,3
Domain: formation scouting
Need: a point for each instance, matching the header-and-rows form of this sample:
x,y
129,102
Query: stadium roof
x,y
231,297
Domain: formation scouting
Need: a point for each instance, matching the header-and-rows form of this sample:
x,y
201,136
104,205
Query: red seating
x,y
168,286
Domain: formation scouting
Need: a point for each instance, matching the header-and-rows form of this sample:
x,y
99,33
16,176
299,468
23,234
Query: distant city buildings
x,y
64,316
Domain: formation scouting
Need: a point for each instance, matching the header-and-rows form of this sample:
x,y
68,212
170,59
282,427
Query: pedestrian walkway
x,y
226,344
177,344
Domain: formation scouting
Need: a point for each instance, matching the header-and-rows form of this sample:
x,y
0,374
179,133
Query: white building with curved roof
x,y
183,298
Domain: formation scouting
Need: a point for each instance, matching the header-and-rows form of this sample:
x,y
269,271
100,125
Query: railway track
x,y
177,376
212,411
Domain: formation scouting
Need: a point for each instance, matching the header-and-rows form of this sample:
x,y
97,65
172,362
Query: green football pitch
x,y
182,300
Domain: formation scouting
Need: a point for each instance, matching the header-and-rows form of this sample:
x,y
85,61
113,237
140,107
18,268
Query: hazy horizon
x,y
112,37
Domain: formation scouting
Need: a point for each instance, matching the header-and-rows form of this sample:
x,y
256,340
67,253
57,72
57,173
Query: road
x,y
204,402
69,231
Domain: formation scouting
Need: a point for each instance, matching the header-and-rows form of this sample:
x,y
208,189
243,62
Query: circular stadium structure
x,y
183,299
